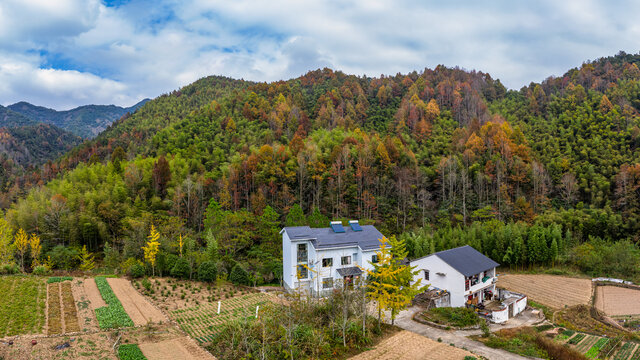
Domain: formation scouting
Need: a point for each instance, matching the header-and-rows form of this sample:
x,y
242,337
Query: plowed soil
x,y
93,294
550,290
617,301
137,307
179,348
406,345
86,314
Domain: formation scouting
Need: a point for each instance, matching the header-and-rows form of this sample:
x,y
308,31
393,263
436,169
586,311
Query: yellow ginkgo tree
x,y
21,242
152,248
390,280
36,249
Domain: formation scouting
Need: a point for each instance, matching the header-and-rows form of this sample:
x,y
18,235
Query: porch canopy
x,y
350,271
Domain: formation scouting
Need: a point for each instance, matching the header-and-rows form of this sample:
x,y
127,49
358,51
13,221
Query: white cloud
x,y
141,49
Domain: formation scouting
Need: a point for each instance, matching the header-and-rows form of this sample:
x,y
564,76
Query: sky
x,y
66,53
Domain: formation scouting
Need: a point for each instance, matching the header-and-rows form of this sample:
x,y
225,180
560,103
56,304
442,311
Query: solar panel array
x,y
355,226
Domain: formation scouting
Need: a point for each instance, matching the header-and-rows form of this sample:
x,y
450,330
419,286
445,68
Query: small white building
x,y
314,259
464,277
464,272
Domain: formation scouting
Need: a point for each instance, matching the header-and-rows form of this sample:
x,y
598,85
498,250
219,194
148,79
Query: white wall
x,y
287,261
452,280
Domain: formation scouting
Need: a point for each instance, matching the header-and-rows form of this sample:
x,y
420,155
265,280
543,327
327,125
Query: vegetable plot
x,y
112,315
203,322
22,303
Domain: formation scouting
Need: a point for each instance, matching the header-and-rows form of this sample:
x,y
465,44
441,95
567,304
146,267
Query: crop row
x,y
576,339
595,349
625,351
203,322
130,352
586,343
56,279
112,315
69,308
636,354
22,302
54,319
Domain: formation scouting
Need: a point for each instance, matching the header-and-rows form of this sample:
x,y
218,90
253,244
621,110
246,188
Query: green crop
x,y
112,315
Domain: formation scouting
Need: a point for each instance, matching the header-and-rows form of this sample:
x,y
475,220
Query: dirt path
x,y
137,307
407,345
93,294
458,338
179,348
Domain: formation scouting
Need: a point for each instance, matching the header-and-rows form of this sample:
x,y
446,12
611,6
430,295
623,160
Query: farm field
x,y
22,305
202,322
176,348
550,290
62,314
617,301
406,345
136,306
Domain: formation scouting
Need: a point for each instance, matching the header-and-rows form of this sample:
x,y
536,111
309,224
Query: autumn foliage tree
x,y
151,248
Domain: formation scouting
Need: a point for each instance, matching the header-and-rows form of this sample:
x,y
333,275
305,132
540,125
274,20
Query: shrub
x,y
136,270
557,350
469,357
545,327
146,283
64,257
181,269
40,270
239,275
9,269
207,271
168,263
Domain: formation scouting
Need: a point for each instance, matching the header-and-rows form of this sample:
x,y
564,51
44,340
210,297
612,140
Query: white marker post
x,y
218,307
257,307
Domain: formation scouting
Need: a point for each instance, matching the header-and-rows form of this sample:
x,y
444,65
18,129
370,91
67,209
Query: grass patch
x,y
55,279
527,341
112,315
548,313
457,317
130,352
22,304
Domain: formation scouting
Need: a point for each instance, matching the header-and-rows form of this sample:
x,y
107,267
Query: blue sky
x,y
67,53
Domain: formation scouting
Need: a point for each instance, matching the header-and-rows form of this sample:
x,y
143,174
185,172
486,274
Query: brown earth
x,y
178,348
93,294
166,293
408,345
137,307
86,314
550,290
618,301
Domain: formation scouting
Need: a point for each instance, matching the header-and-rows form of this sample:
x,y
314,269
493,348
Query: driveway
x,y
459,337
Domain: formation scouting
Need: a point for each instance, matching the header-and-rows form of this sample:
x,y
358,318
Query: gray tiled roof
x,y
322,238
467,260
350,271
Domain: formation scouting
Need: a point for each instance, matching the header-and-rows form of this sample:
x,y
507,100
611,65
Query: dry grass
x,y
554,291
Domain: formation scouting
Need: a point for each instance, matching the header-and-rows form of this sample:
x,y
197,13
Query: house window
x,y
374,259
302,253
327,283
426,274
346,260
302,272
327,262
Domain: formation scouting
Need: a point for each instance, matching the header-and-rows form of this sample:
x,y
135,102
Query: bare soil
x,y
86,314
137,307
550,290
617,301
177,348
93,294
408,345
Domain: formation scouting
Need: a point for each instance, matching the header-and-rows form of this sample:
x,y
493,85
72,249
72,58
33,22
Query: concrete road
x,y
459,337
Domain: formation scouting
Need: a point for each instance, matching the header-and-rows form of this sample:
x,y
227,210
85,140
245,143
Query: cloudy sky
x,y
66,53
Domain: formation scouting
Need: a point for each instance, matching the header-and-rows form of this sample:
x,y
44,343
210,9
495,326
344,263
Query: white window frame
x,y
327,281
348,258
330,262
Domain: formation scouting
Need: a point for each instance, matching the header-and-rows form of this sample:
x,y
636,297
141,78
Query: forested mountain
x,y
85,121
10,118
442,157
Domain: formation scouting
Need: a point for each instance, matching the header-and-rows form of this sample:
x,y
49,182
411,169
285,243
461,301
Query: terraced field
x,y
202,322
550,290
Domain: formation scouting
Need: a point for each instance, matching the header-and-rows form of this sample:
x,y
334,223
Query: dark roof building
x,y
466,260
367,237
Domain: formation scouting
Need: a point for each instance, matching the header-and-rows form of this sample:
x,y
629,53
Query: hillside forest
x,y
547,175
